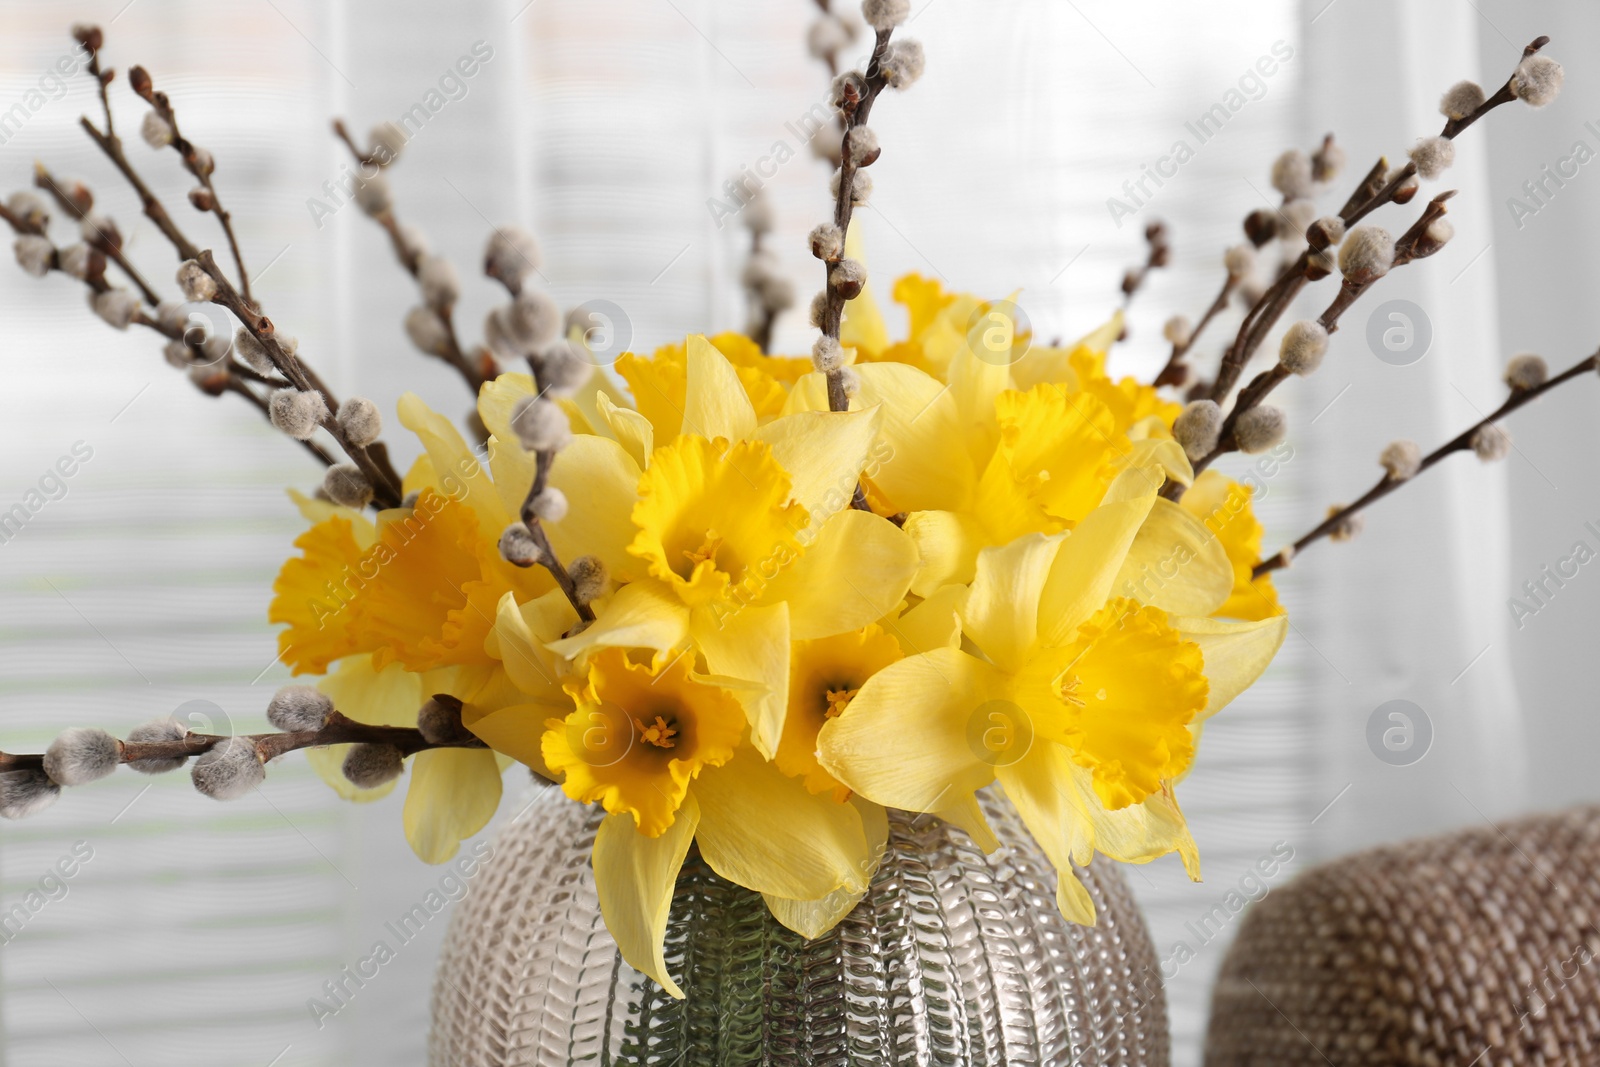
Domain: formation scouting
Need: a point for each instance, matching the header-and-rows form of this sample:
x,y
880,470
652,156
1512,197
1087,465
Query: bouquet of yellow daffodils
x,y
742,602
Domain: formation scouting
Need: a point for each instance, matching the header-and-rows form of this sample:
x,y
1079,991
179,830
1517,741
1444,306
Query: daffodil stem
x,y
1413,245
1462,442
453,353
338,730
1276,300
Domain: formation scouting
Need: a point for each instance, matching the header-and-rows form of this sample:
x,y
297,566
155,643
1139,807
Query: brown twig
x,y
108,244
1176,372
1158,255
543,460
1462,442
202,169
338,730
472,373
1276,300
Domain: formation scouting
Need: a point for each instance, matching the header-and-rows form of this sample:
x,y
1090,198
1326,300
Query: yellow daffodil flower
x,y
664,751
1224,507
1080,701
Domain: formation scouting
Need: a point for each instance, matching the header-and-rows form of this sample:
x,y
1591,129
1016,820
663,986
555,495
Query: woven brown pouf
x,y
1480,948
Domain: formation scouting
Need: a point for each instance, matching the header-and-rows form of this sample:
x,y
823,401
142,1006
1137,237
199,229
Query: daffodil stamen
x,y
659,733
839,699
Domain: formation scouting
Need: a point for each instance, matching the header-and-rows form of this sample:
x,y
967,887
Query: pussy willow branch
x,y
1462,442
337,731
139,79
373,459
1175,372
1414,244
541,479
1157,255
1276,300
855,114
108,245
453,354
763,316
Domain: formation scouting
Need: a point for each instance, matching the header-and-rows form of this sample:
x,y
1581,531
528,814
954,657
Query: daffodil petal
x,y
1176,564
515,731
947,543
454,793
1137,833
932,623
388,697
856,571
1162,452
763,830
931,467
824,452
498,398
460,474
813,918
716,404
315,511
631,429
642,614
1085,570
1073,899
1235,653
966,815
635,876
529,664
1040,784
931,705
751,645
1001,609
601,480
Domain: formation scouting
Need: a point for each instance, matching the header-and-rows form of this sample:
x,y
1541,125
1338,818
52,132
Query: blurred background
x,y
195,933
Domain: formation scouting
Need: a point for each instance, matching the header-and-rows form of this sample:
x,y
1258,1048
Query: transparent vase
x,y
953,958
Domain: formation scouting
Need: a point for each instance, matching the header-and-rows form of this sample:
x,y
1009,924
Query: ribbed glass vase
x,y
953,958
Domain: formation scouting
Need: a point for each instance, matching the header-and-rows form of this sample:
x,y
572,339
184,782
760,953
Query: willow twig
x,y
1462,442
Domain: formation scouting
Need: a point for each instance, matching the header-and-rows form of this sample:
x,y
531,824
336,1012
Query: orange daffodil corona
x,y
769,668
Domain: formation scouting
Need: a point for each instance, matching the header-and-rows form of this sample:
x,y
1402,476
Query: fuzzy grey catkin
x,y
1491,443
1537,80
229,770
347,486
1433,156
903,64
297,413
563,370
589,577
157,731
1461,100
518,547
1526,370
360,420
1291,174
427,331
116,307
27,792
550,504
81,755
535,318
34,254
1198,428
885,14
1366,254
1401,460
439,720
1304,345
441,285
198,286
294,708
367,766
540,425
1260,428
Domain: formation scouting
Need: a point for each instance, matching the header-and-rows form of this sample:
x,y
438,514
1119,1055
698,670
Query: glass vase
x,y
952,958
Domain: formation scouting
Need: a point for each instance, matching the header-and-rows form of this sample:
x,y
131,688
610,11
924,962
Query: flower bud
x,y
439,720
1300,214
1198,428
1260,428
1348,527
1461,100
155,130
562,368
201,198
1303,347
427,331
157,731
367,766
198,286
297,414
81,755
860,187
540,425
902,64
24,793
1328,161
413,243
827,242
387,141
229,770
550,504
1366,254
35,254
848,277
359,419
296,708
1325,232
1401,460
819,306
1433,156
1178,331
589,577
861,146
826,355
847,90
347,486
441,286
29,207
373,196
512,255
1240,260
828,35
1261,226
1526,371
1491,443
1537,80
117,307
758,215
885,14
77,260
1291,174
518,546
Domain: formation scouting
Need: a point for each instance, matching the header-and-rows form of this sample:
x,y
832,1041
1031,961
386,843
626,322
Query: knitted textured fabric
x,y
953,958
1477,948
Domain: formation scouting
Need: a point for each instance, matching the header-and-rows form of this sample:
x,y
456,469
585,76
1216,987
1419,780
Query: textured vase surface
x,y
952,958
